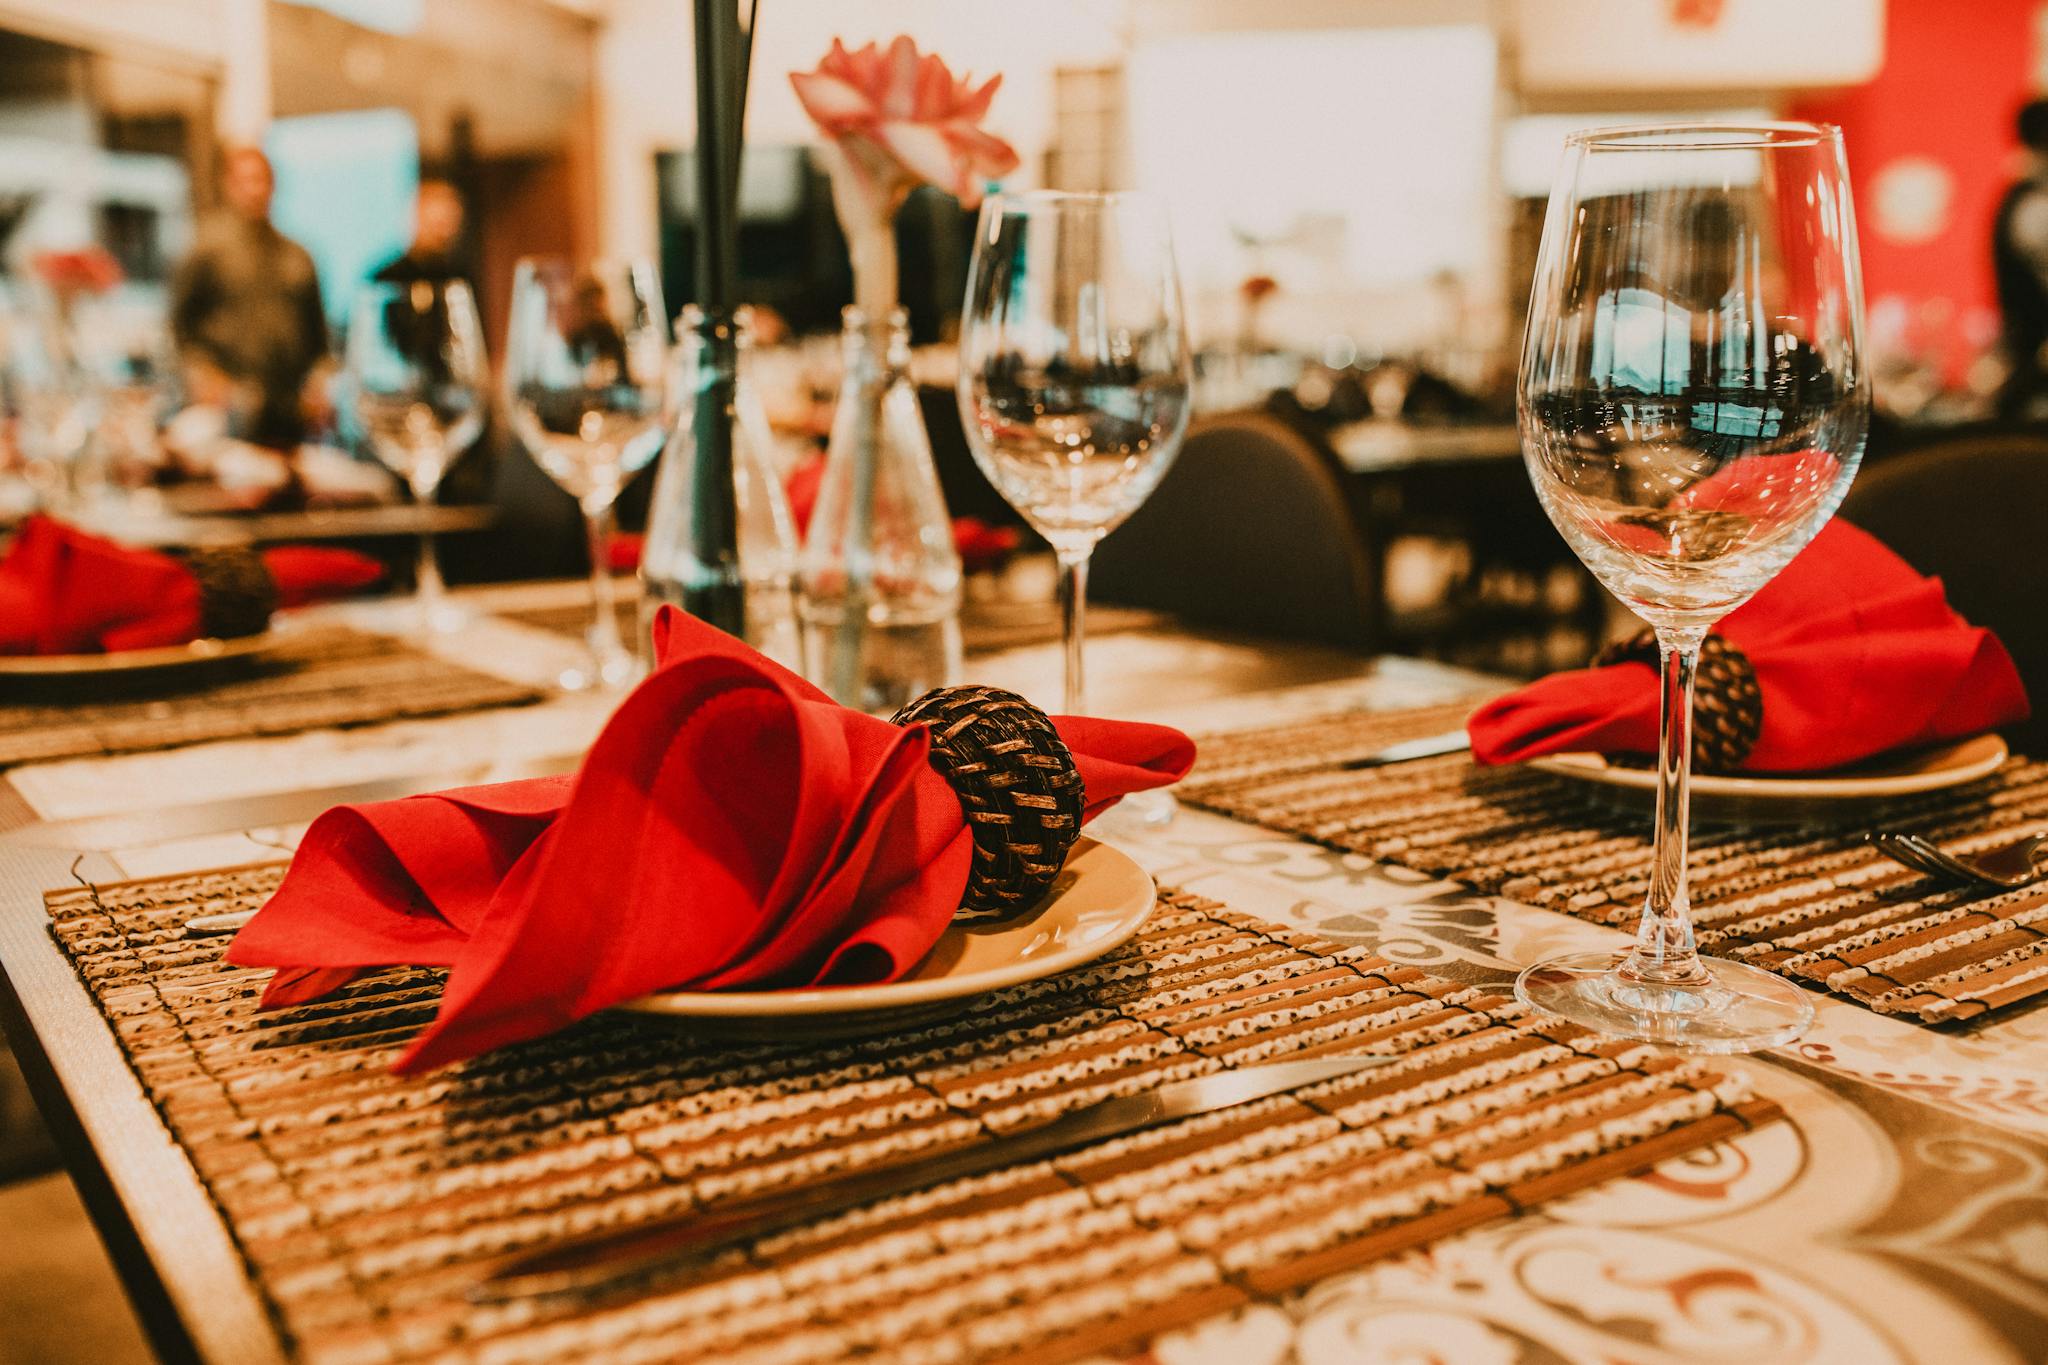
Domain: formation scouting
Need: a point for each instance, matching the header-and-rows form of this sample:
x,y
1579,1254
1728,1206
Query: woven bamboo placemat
x,y
575,619
1811,902
331,676
366,1205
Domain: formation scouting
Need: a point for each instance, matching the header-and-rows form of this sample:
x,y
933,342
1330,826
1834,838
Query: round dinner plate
x,y
191,654
1098,903
1891,775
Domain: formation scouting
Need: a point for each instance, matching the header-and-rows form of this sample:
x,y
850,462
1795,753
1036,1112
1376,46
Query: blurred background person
x,y
245,305
2019,262
435,253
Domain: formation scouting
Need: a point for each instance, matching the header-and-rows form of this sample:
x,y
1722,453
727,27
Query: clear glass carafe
x,y
880,579
733,562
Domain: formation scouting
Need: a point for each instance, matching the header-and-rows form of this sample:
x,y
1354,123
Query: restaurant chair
x,y
1250,531
1969,510
968,491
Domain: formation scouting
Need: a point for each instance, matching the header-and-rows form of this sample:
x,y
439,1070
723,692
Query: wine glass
x,y
588,374
54,400
1074,371
1693,402
419,382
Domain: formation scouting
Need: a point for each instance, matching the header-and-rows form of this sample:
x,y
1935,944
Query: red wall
x,y
1955,72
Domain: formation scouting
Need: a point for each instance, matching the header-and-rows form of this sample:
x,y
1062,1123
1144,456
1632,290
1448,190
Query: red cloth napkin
x,y
63,591
1855,652
979,544
732,826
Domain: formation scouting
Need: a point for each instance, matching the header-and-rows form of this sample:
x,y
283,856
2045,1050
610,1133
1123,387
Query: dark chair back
x,y
968,491
1970,511
1249,531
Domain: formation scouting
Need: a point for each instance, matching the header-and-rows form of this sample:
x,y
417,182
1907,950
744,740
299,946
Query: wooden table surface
x,y
1897,1216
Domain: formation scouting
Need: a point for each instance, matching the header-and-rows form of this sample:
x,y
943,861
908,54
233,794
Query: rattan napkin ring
x,y
1727,706
236,591
1017,784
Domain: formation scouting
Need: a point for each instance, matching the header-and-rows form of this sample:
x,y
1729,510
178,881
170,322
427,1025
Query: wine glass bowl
x,y
589,393
1693,403
419,383
1074,369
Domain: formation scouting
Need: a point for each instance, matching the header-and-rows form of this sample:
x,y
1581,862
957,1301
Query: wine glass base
x,y
1742,1009
413,616
1139,813
604,672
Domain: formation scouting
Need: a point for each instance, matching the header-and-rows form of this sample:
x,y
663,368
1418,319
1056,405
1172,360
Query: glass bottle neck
x,y
876,350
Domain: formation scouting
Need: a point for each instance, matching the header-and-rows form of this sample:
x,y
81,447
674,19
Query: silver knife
x,y
139,829
1449,742
607,1259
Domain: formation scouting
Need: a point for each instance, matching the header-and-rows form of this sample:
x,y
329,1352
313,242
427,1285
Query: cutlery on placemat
x,y
140,829
600,1260
1430,746
2005,868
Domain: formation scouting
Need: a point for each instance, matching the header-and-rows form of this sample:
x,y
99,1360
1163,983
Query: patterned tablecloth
x,y
1901,1214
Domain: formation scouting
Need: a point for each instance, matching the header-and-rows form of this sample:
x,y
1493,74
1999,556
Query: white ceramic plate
x,y
1098,903
1890,775
190,654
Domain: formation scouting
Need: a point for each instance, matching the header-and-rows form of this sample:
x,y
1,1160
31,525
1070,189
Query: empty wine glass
x,y
54,400
419,382
1074,371
588,375
1693,403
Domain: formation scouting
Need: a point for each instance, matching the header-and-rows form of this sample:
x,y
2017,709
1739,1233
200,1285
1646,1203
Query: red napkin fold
x,y
63,591
1855,652
731,826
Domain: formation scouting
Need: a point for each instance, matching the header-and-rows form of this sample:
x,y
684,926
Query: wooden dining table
x,y
1899,1213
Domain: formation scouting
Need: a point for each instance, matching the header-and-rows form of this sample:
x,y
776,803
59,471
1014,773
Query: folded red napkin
x,y
63,591
1855,654
731,826
979,544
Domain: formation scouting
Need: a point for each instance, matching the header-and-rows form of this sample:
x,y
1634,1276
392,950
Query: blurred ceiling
x,y
518,71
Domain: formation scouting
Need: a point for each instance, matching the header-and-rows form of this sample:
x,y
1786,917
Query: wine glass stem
x,y
1073,625
1665,954
428,589
605,641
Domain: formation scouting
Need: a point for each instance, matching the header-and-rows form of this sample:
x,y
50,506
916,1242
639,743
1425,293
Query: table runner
x,y
1811,902
366,1206
329,676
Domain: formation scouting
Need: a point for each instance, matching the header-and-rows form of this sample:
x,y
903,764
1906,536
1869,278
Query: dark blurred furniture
x,y
1464,485
1970,510
968,491
1251,530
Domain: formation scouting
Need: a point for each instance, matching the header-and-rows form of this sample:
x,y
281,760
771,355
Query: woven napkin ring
x,y
1727,707
236,592
1017,784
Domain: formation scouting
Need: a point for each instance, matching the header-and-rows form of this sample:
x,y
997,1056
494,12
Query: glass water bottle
x,y
880,579
679,565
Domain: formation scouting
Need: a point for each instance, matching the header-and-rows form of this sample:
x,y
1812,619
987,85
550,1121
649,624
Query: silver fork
x,y
2003,868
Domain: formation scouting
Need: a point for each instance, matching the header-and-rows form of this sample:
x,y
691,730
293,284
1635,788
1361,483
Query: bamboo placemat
x,y
1811,902
331,676
366,1206
575,619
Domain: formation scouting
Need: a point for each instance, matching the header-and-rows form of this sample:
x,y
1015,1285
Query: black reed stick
x,y
714,588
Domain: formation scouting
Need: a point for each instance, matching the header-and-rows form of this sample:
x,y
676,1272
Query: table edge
x,y
181,1269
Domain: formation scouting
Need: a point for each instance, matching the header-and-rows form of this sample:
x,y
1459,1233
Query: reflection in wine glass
x,y
420,382
1693,403
588,377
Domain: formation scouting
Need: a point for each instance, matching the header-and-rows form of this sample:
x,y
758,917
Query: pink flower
x,y
910,108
